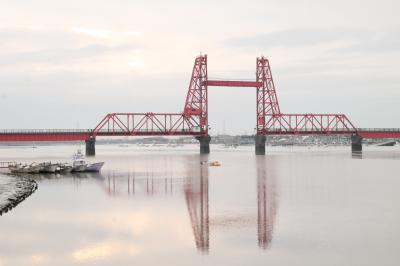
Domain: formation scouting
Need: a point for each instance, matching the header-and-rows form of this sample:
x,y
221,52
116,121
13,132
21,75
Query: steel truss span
x,y
193,119
307,124
144,124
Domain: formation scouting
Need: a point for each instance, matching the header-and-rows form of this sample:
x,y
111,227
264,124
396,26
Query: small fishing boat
x,y
64,168
48,167
79,164
15,168
32,168
94,167
215,163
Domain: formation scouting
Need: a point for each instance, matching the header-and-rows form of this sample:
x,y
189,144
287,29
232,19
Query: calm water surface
x,y
160,206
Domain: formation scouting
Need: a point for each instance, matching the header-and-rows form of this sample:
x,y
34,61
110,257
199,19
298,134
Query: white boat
x,y
33,168
48,167
64,168
15,168
79,164
78,168
94,167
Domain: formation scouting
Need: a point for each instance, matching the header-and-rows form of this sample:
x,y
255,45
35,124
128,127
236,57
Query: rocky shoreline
x,y
14,190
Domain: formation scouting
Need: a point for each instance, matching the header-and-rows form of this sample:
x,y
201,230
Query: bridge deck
x,y
379,133
83,134
368,133
44,135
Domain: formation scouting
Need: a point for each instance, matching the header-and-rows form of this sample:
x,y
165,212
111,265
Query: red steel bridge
x,y
193,120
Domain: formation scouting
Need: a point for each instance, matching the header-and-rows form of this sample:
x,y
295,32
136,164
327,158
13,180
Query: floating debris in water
x,y
215,163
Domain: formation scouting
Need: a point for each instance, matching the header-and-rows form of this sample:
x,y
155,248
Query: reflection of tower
x,y
149,185
196,194
266,202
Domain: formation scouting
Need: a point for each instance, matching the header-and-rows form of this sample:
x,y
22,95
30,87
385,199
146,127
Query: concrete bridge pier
x,y
90,146
356,143
260,144
204,144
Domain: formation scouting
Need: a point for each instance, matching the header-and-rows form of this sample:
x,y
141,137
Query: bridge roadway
x,y
11,135
78,134
88,135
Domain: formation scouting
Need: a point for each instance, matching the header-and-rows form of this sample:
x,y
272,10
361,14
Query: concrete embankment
x,y
13,190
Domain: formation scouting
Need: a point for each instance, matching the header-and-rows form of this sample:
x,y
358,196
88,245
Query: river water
x,y
166,206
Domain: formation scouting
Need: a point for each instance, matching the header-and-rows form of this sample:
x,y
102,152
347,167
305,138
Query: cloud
x,y
104,34
299,37
34,49
62,55
33,37
378,42
92,32
104,250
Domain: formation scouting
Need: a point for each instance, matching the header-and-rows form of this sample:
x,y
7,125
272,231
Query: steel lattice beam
x,y
232,83
308,124
142,124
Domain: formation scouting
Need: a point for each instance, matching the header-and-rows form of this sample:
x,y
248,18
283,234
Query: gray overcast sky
x,y
65,64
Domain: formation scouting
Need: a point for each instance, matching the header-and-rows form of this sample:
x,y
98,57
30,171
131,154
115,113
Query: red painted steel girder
x,y
267,101
43,136
307,124
232,83
196,104
192,121
142,124
379,133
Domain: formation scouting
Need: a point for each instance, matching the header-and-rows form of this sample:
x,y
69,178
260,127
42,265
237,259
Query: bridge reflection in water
x,y
195,187
196,195
266,201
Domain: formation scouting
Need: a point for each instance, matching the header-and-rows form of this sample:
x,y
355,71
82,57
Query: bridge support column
x,y
356,143
260,144
204,144
90,146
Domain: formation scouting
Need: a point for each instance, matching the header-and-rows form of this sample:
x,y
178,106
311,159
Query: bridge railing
x,y
155,130
309,131
90,131
378,129
44,131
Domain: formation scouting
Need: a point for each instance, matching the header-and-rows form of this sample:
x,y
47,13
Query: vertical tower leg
x,y
356,143
204,144
90,146
260,144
